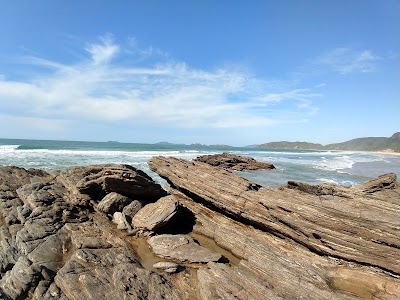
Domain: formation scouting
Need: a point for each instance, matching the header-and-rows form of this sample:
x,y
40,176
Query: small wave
x,y
8,148
339,182
337,163
325,180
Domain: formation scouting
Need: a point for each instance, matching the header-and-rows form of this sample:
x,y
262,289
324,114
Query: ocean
x,y
341,167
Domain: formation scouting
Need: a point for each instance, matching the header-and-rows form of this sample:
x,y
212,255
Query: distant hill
x,y
291,145
369,144
359,144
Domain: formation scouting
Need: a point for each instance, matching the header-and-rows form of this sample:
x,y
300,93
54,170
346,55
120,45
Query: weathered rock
x,y
12,178
113,202
387,181
360,227
120,219
269,266
108,273
156,214
17,282
306,241
97,181
54,244
131,209
234,162
166,266
181,248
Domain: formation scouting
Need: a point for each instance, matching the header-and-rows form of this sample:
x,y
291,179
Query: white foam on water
x,y
333,164
339,182
8,148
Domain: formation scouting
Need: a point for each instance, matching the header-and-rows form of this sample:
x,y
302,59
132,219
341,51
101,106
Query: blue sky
x,y
226,72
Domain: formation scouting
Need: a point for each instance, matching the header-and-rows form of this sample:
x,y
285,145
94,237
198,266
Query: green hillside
x,y
359,144
369,144
291,145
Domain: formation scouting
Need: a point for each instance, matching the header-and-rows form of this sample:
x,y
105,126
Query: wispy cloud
x,y
164,92
346,61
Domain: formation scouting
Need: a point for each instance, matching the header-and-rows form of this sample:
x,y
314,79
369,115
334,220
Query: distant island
x,y
387,144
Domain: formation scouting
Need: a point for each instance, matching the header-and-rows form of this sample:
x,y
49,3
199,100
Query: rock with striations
x,y
269,264
234,162
349,224
181,248
99,180
156,214
131,209
296,242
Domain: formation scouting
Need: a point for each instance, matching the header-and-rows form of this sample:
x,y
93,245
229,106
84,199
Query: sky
x,y
212,72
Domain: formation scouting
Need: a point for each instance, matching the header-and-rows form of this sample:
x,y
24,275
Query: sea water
x,y
341,167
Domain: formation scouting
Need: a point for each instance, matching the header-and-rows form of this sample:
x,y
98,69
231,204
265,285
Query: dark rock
x,y
20,279
113,202
234,162
131,209
181,248
384,182
97,181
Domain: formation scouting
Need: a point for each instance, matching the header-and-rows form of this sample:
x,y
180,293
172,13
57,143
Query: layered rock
x,y
350,224
97,181
216,236
234,162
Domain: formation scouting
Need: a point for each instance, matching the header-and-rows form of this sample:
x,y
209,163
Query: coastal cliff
x,y
111,232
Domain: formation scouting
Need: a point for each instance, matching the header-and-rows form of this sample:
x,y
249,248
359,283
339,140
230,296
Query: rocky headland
x,y
111,232
234,162
386,144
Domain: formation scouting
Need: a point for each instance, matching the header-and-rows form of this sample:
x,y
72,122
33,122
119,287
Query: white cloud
x,y
346,61
167,92
102,53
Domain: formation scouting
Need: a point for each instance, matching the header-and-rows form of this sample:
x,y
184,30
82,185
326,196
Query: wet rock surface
x,y
66,235
182,249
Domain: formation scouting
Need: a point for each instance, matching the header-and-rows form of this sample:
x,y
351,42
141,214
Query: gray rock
x,y
120,219
113,202
99,180
132,208
166,266
156,214
181,248
20,279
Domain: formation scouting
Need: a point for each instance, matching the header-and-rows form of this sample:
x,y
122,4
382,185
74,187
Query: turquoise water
x,y
342,167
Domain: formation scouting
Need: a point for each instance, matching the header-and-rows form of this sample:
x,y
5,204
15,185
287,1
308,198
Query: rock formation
x,y
334,242
215,236
234,162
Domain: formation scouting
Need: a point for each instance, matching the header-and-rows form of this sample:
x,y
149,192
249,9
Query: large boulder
x,y
234,162
99,180
112,203
156,214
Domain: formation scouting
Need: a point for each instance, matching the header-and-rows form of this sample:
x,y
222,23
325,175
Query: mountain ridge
x,y
358,144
